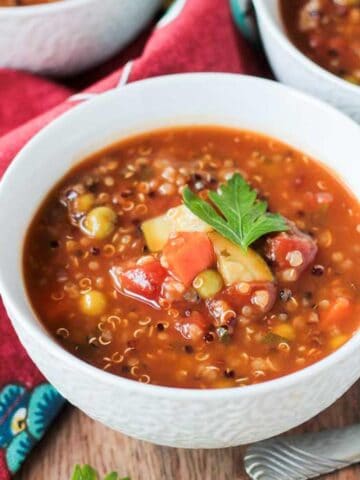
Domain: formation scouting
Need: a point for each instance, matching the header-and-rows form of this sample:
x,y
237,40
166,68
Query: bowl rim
x,y
262,10
43,338
42,8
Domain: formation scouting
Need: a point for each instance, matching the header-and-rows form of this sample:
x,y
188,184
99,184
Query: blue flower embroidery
x,y
24,418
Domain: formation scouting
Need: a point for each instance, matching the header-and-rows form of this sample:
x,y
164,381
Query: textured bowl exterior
x,y
168,416
293,68
72,35
184,423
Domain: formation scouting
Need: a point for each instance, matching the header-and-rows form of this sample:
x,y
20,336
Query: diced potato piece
x,y
237,266
185,221
179,219
156,232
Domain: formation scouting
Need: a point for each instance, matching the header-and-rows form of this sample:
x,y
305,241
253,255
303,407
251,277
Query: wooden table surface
x,y
74,438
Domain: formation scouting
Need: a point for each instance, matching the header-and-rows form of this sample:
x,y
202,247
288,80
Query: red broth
x,y
328,32
116,295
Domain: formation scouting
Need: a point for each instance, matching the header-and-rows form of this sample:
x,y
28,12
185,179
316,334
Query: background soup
x,y
328,32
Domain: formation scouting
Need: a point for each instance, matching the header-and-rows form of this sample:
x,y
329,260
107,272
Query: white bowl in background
x,y
68,36
293,68
163,415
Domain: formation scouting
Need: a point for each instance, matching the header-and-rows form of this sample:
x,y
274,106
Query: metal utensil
x,y
300,457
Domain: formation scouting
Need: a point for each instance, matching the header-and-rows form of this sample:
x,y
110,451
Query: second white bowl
x,y
68,36
293,68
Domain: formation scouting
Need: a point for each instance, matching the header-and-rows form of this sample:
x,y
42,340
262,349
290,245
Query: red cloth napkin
x,y
200,37
24,96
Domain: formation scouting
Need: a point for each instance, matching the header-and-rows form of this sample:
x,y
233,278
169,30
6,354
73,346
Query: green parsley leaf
x,y
244,217
112,476
77,473
86,472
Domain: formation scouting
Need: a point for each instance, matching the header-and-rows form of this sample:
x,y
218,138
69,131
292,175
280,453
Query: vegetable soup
x,y
200,257
328,32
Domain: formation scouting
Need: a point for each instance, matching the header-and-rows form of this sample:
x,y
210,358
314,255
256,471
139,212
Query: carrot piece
x,y
187,254
336,313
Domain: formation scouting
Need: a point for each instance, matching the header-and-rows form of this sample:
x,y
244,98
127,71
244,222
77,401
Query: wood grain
x,y
74,438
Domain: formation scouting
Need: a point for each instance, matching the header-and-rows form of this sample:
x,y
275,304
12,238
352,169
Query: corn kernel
x,y
84,203
285,330
93,303
337,341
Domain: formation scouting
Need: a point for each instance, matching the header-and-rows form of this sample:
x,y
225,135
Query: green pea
x,y
208,283
100,222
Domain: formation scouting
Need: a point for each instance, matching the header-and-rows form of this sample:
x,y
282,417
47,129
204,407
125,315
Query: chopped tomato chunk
x,y
337,313
144,280
193,327
294,250
260,295
187,254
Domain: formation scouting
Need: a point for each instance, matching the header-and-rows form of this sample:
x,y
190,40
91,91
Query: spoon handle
x,y
300,457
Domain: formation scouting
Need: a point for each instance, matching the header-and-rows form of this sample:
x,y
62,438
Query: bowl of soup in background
x,y
67,36
293,68
179,417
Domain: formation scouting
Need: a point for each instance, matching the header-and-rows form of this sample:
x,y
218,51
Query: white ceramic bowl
x,y
293,68
68,36
168,416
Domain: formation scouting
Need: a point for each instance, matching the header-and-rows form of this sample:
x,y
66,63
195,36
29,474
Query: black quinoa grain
x,y
126,193
95,251
189,349
285,294
228,373
318,270
213,181
93,187
196,177
332,52
160,327
208,337
54,244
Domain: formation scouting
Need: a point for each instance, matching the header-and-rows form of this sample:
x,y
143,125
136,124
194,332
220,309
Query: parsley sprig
x,y
244,217
86,472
